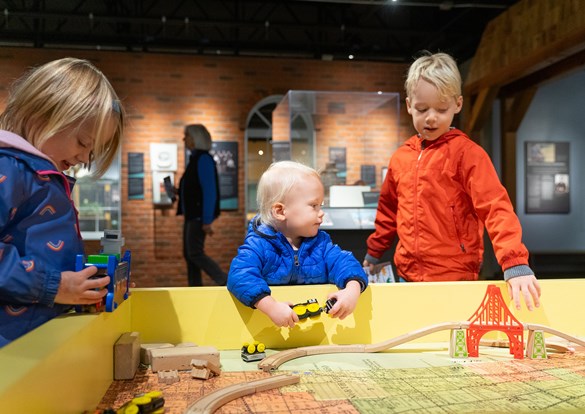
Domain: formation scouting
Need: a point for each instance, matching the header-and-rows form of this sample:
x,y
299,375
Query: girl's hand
x,y
76,288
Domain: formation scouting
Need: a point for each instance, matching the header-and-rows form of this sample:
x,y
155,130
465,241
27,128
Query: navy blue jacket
x,y
267,258
39,236
199,189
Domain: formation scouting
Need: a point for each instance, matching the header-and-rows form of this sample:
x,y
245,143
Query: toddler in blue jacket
x,y
284,246
60,114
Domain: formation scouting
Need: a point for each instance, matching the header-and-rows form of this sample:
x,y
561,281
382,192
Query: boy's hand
x,y
280,313
370,266
346,300
526,286
76,288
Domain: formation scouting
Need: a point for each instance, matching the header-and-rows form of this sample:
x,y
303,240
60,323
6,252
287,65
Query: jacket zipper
x,y
416,235
457,232
295,272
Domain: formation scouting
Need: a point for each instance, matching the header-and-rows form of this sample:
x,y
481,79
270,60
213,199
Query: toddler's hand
x,y
76,288
280,313
346,300
526,286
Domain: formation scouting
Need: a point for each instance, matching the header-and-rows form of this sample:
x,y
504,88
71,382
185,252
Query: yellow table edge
x,y
66,365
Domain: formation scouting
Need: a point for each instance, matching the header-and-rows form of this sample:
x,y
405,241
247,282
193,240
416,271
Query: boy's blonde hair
x,y
198,136
60,94
276,182
440,70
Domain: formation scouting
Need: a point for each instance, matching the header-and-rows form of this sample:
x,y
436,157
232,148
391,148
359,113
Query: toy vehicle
x,y
253,352
329,304
308,309
312,308
110,264
149,403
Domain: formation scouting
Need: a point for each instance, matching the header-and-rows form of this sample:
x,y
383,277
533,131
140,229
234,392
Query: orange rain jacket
x,y
437,199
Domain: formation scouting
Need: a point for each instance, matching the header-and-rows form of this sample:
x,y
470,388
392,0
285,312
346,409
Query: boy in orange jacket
x,y
440,191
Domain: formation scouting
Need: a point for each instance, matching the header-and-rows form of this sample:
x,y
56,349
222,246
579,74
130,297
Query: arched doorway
x,y
257,148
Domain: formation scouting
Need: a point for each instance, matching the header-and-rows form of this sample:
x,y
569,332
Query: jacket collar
x,y
12,141
415,142
270,233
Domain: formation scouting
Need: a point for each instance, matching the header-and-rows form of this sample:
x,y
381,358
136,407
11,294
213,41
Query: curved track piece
x,y
274,361
570,338
495,343
212,401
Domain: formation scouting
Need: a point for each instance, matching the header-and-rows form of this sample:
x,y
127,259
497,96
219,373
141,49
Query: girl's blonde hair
x,y
276,182
60,94
440,70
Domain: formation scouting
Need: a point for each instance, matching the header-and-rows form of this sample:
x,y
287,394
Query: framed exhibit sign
x,y
338,155
135,176
368,174
547,187
225,154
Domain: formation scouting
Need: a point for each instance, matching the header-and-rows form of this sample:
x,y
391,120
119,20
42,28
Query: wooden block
x,y
202,363
145,355
180,358
200,373
126,355
186,344
168,377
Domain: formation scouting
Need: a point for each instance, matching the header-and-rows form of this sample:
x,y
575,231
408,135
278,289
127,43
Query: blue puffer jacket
x,y
39,237
267,258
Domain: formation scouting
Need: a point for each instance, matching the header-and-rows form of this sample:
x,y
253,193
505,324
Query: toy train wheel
x,y
254,347
313,307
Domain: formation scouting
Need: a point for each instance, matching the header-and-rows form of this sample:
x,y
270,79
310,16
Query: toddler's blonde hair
x,y
440,70
62,93
276,182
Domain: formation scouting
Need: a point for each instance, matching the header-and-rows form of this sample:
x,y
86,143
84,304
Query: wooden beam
x,y
548,74
529,37
513,111
531,64
480,110
517,110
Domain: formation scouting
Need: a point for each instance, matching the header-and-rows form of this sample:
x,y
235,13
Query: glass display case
x,y
97,200
347,136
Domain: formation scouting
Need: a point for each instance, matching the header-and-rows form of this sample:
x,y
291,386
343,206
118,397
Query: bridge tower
x,y
493,315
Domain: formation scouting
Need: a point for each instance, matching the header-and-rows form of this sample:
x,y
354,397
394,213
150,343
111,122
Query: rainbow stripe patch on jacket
x,y
56,246
48,209
28,265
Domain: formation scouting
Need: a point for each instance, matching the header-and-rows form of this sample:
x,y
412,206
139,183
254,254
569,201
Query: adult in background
x,y
199,203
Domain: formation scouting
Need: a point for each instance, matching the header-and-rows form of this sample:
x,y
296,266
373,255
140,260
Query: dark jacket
x,y
199,189
267,258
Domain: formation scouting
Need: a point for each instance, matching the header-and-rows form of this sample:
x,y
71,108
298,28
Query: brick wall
x,y
162,93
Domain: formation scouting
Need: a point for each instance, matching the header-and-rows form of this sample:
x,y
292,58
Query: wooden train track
x,y
212,401
547,329
274,361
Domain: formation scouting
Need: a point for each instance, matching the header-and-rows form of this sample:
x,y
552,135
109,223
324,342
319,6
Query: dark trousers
x,y
197,260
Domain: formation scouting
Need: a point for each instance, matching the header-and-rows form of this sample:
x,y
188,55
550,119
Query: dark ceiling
x,y
329,29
